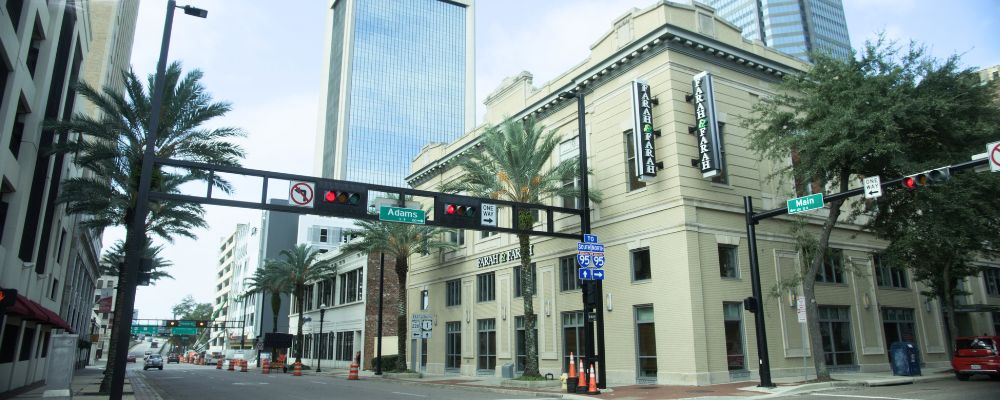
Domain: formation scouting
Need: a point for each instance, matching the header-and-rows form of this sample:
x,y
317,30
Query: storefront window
x,y
572,323
645,343
835,330
453,345
733,321
487,355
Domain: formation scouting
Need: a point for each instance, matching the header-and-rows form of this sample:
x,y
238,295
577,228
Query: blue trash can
x,y
905,359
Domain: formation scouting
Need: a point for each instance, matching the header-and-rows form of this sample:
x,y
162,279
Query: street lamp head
x,y
566,95
195,11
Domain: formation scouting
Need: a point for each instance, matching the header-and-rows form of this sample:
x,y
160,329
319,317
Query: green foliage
x,y
388,363
297,267
116,255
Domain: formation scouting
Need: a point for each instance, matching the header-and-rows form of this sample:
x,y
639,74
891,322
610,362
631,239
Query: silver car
x,y
153,361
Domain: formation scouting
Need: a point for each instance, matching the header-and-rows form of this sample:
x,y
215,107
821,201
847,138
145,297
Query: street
x,y
186,381
977,388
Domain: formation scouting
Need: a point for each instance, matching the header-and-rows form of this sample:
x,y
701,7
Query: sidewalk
x,y
87,381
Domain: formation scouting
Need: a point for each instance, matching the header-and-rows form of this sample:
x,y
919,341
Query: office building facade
x,y
795,27
398,75
675,243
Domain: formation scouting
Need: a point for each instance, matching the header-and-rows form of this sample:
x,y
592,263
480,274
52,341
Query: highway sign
x,y
488,214
993,153
873,187
301,194
421,326
598,274
590,247
585,274
183,331
145,329
805,203
598,260
583,259
404,215
186,323
588,238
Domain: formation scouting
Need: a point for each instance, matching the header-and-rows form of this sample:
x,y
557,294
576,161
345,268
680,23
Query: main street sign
x,y
404,215
805,203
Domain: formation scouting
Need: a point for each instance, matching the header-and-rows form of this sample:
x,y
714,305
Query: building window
x,y
898,325
17,131
996,323
486,234
454,295
733,323
486,287
326,293
14,12
723,176
569,278
453,345
345,346
520,344
324,235
55,289
351,286
729,262
835,330
423,354
518,274
37,37
456,236
640,265
569,150
572,323
3,216
633,180
487,355
832,270
992,278
425,299
887,275
645,343
29,336
9,343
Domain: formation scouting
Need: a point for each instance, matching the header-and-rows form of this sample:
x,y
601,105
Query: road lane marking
x,y
250,383
863,397
409,394
321,383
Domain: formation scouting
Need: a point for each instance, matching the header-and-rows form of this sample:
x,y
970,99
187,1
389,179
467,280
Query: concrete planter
x,y
530,384
402,375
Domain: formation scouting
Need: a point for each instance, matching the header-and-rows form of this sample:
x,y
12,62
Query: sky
x,y
266,60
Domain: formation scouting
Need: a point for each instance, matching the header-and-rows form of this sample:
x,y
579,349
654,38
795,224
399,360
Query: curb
x,y
812,387
494,389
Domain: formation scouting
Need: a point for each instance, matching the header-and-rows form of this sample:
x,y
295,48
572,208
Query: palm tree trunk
x,y
401,334
527,294
275,308
299,290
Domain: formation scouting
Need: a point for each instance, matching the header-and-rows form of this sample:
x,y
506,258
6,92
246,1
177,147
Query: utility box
x,y
507,371
904,358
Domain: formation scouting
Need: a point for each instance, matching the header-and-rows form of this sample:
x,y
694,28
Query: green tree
x,y
844,119
110,145
512,166
115,256
189,309
399,241
268,280
298,268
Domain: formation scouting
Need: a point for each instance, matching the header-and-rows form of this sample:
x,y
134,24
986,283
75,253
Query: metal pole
x,y
592,290
243,328
319,360
381,287
765,364
137,236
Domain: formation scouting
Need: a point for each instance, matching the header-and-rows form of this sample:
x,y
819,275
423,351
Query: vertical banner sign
x,y
642,136
709,152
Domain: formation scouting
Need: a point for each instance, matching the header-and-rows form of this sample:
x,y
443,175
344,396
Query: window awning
x,y
29,309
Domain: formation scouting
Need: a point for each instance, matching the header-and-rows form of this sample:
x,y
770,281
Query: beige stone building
x,y
676,246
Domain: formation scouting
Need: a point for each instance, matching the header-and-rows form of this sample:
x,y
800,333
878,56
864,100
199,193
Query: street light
x,y
137,225
319,360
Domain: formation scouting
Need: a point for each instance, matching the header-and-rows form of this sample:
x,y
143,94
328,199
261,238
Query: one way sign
x,y
873,187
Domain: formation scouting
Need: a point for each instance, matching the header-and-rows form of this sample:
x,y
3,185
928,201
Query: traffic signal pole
x,y
753,218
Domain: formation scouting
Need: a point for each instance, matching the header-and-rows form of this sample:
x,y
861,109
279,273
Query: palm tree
x,y
268,279
110,146
398,241
511,166
298,268
116,255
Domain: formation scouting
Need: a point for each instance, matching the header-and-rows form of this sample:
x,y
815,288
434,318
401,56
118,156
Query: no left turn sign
x,y
301,194
993,154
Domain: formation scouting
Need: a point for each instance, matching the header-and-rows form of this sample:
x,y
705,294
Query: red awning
x,y
28,309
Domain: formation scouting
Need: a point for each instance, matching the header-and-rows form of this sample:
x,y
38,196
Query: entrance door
x,y
898,326
572,323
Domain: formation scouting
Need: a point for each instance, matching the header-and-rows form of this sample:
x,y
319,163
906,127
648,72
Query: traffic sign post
x,y
588,238
585,274
598,274
598,259
183,331
488,215
993,155
404,215
805,203
301,194
873,187
583,259
590,247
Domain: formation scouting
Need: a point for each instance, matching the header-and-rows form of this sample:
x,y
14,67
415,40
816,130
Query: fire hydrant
x,y
562,378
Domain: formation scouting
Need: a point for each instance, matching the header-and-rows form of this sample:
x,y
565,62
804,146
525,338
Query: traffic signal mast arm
x,y
350,199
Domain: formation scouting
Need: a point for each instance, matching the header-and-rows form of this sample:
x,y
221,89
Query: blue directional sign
x,y
598,274
583,259
588,238
590,247
585,274
598,260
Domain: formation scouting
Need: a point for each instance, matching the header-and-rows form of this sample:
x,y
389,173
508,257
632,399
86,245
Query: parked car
x,y
976,355
173,358
131,358
153,361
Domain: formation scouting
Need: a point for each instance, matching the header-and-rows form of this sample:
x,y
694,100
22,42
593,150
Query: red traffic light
x,y
450,209
350,198
459,210
909,182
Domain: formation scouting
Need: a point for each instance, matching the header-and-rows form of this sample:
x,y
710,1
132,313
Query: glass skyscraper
x,y
399,76
794,27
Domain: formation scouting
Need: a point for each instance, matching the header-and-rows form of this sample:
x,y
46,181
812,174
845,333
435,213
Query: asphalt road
x,y
977,388
185,381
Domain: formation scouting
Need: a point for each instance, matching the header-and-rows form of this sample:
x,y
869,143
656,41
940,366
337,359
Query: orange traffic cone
x,y
266,367
592,389
298,369
243,365
581,387
572,374
232,365
219,364
353,374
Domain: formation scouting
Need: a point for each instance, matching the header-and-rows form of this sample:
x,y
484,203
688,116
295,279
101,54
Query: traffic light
x,y
341,199
750,304
929,177
457,212
173,323
201,324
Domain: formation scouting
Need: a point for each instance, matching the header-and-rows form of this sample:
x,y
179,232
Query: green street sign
x,y
183,331
404,215
145,329
805,203
185,323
